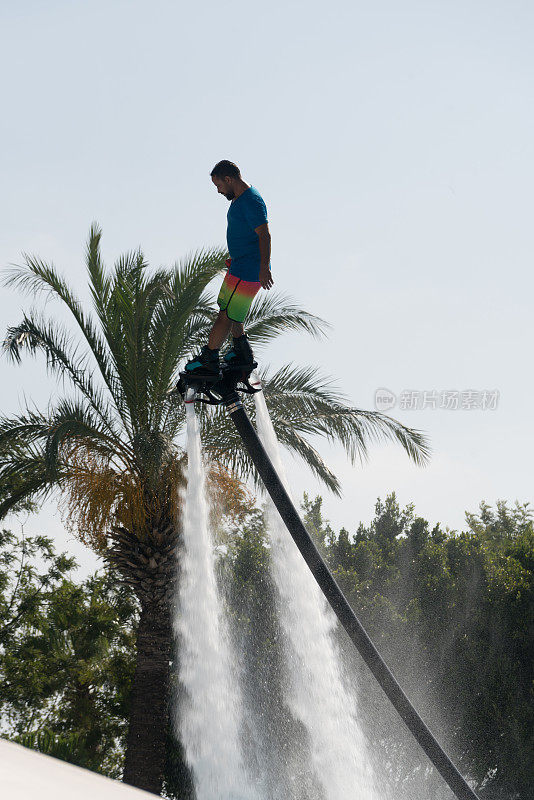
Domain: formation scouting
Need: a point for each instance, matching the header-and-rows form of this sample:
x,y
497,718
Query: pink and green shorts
x,y
236,296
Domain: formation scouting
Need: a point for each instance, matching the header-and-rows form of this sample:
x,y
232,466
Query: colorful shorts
x,y
236,296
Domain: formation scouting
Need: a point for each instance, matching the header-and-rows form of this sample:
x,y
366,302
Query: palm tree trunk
x,y
149,706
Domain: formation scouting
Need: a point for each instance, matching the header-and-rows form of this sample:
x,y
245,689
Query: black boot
x,y
241,354
205,365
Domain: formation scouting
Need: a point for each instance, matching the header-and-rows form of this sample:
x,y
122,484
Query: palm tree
x,y
110,447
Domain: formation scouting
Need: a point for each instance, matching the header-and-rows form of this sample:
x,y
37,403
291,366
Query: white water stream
x,y
209,718
315,692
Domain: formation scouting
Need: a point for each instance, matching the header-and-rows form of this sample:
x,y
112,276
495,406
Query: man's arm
x,y
264,238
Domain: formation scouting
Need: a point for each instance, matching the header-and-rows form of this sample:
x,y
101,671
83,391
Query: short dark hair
x,y
225,168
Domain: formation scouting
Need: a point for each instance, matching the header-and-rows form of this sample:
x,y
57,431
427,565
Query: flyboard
x,y
216,390
226,390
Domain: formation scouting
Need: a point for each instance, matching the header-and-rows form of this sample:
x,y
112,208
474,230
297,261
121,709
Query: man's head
x,y
227,178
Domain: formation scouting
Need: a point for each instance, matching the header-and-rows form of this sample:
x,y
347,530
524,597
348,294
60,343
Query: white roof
x,y
27,775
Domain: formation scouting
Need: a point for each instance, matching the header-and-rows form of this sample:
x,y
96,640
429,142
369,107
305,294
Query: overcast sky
x,y
393,145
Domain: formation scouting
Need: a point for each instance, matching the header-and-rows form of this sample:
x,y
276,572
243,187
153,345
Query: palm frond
x,y
37,276
99,282
301,399
126,303
68,424
73,421
22,430
304,404
173,420
35,334
184,311
222,443
273,313
23,476
299,446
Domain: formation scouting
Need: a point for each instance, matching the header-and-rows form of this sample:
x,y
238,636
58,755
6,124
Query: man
x,y
249,245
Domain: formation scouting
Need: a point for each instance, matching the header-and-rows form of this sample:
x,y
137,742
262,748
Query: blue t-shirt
x,y
245,214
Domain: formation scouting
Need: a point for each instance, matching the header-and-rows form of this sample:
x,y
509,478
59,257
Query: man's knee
x,y
222,321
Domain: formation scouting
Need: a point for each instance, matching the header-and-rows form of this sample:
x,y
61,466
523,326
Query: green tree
x,y
66,656
23,582
453,615
110,447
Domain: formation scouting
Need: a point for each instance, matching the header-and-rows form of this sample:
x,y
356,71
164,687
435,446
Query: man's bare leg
x,y
237,329
221,329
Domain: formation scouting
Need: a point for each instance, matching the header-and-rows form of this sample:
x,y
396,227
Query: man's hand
x,y
266,279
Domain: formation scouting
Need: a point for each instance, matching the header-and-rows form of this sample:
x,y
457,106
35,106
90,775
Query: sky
x,y
393,144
